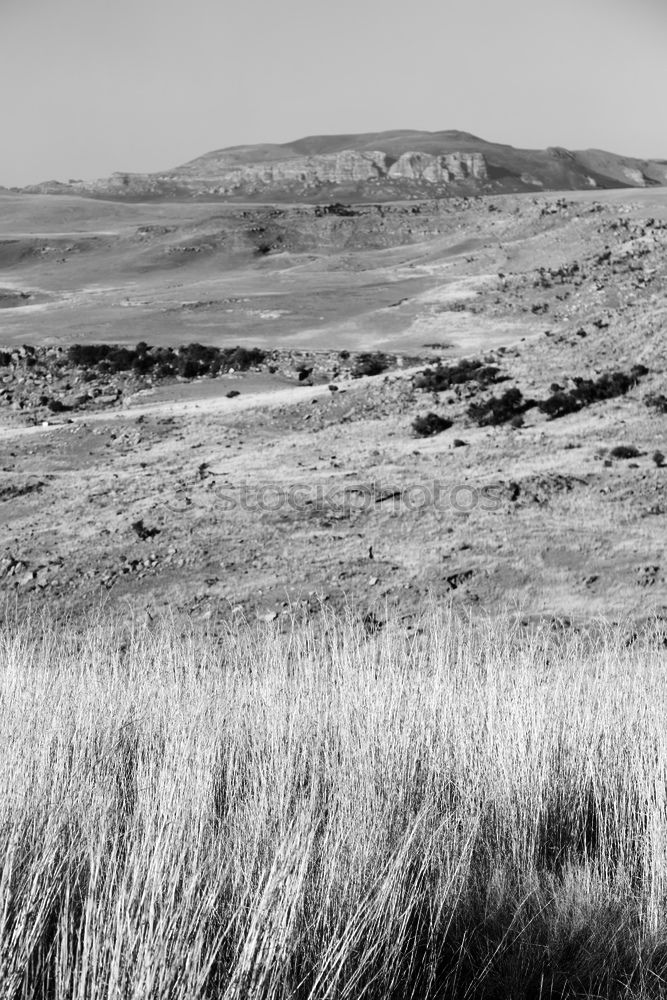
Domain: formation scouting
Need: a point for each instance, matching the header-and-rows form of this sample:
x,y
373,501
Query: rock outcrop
x,y
347,167
444,169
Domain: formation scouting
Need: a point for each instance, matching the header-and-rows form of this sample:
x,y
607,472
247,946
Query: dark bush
x,y
187,368
88,355
589,391
142,364
560,404
370,364
443,377
499,409
232,393
197,358
120,359
57,406
5,359
164,355
625,451
659,459
188,361
335,209
657,402
242,358
430,424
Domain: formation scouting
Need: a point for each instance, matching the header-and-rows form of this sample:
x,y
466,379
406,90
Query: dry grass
x,y
476,811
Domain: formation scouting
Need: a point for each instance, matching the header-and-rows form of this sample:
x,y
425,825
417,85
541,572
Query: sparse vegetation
x,y
188,361
373,363
589,391
657,401
443,377
430,424
336,209
56,406
473,811
499,409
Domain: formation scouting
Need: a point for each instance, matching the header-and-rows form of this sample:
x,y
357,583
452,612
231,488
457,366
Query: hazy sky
x,y
94,86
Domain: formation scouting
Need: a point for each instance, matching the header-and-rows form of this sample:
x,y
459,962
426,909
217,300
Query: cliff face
x,y
308,172
348,167
349,172
446,169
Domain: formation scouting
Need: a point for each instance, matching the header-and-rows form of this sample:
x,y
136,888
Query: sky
x,y
90,87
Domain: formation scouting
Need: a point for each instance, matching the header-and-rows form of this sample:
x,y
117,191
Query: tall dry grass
x,y
476,811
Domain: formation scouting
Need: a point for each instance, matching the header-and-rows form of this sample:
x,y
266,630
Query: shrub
x,y
143,363
625,451
164,355
430,424
200,355
336,209
5,359
88,355
443,377
659,459
187,368
560,404
589,391
57,406
188,361
499,409
242,358
370,364
657,402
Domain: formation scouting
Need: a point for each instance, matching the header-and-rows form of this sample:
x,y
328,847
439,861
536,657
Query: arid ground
x,y
292,494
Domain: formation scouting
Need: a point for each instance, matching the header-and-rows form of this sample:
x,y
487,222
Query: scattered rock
x,y
456,580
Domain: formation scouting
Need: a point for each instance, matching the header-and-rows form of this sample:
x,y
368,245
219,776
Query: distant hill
x,y
379,166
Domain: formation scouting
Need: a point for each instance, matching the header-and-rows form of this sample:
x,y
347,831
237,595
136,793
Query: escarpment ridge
x,y
382,166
